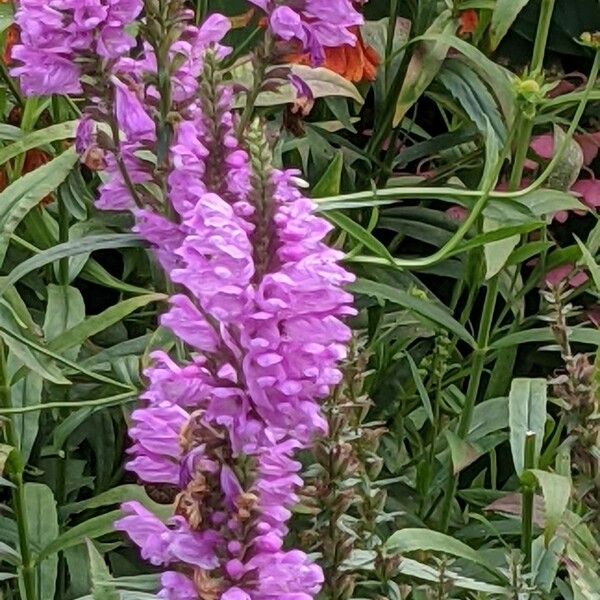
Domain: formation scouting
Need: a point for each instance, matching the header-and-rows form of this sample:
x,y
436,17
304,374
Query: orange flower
x,y
469,20
12,37
34,159
355,63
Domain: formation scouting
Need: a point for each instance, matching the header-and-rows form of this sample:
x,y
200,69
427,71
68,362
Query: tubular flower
x,y
355,62
260,307
312,25
57,36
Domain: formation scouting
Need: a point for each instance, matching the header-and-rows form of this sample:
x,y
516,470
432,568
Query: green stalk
x,y
201,10
18,492
528,497
259,62
541,38
472,391
389,46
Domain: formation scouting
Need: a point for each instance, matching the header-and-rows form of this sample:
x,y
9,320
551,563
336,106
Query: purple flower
x,y
146,531
278,576
187,323
261,305
156,448
55,34
313,24
131,114
84,137
176,586
163,544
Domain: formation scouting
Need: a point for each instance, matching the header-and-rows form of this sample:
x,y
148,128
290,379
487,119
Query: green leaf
x,y
425,64
473,95
360,234
26,193
414,569
545,202
322,82
67,249
91,529
526,415
9,555
567,170
100,575
26,391
463,453
7,16
118,495
42,523
420,387
65,310
83,330
5,453
556,490
498,79
331,181
581,335
590,263
415,540
497,253
40,137
14,338
425,308
503,17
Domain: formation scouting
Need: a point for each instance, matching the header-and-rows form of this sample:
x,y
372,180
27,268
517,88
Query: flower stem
x,y
18,492
541,38
259,62
466,416
528,494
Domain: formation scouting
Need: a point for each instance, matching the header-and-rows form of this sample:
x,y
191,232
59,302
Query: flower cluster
x,y
259,306
313,25
58,36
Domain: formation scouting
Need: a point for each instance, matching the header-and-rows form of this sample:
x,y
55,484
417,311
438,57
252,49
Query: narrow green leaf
x,y
23,347
25,392
9,555
581,335
100,575
331,181
40,137
425,64
556,490
20,197
420,387
497,253
463,453
415,540
65,310
42,523
91,529
360,234
118,495
83,330
504,15
590,263
526,414
425,308
67,249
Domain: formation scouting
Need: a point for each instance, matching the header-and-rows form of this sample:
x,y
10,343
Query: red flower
x,y
469,20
